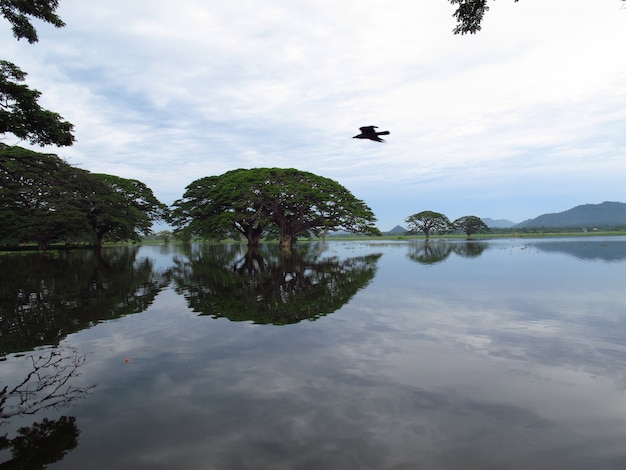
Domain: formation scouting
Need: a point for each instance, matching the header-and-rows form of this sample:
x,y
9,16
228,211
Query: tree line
x,y
45,200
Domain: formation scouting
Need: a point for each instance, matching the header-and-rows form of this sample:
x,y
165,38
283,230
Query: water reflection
x,y
45,297
266,287
506,357
433,252
609,250
45,442
49,382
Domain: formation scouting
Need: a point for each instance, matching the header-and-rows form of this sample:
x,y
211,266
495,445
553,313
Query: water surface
x,y
349,355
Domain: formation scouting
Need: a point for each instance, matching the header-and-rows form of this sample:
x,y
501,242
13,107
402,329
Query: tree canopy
x,y
252,201
471,224
426,221
20,112
469,15
125,210
19,14
21,115
45,200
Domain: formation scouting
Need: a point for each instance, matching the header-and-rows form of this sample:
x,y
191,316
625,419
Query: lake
x,y
494,354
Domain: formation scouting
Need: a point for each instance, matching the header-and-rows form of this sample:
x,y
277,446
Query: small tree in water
x,y
426,221
471,224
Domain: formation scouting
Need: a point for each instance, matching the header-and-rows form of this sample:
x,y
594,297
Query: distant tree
x,y
469,15
426,221
20,113
165,235
470,224
253,202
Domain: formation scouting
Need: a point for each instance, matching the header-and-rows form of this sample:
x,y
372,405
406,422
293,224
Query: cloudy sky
x,y
527,117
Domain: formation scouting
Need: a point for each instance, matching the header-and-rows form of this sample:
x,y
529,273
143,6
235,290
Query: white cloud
x,y
168,92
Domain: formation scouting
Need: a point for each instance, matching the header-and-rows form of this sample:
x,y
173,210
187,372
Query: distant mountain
x,y
397,230
499,223
606,214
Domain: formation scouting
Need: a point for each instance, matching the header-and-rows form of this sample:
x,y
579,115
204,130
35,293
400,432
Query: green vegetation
x,y
44,200
20,112
426,221
264,201
470,224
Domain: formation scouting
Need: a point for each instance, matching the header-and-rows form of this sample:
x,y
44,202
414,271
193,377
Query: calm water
x,y
506,354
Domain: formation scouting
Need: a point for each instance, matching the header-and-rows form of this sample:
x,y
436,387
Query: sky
x,y
526,117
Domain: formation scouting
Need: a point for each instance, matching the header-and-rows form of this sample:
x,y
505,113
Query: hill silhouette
x,y
606,214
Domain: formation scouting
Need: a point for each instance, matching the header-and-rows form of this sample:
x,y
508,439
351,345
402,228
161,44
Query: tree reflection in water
x,y
47,384
429,252
266,287
45,297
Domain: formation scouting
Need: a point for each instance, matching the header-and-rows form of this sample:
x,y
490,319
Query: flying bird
x,y
368,132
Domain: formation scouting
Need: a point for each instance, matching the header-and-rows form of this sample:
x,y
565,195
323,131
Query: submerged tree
x,y
426,221
471,224
252,202
223,206
299,201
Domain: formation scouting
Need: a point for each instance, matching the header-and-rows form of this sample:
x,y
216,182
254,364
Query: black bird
x,y
368,132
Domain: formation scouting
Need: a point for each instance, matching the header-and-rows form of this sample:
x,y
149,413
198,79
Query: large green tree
x,y
250,202
230,205
124,209
43,199
470,224
20,112
39,196
427,221
300,201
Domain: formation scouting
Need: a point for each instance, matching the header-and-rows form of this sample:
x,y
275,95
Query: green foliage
x,y
38,197
426,221
21,115
230,205
469,15
256,201
17,12
471,224
20,112
124,209
45,200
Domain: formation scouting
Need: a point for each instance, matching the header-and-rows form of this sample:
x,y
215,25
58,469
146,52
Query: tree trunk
x,y
254,241
285,244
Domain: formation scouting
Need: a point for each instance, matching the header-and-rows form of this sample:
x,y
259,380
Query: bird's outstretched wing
x,y
369,132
